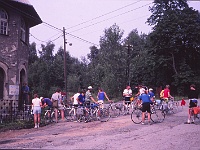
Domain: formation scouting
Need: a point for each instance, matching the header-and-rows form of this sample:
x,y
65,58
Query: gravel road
x,y
116,134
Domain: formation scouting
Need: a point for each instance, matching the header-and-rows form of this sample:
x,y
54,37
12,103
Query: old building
x,y
16,18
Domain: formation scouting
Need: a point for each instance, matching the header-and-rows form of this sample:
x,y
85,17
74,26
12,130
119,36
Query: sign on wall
x,y
13,89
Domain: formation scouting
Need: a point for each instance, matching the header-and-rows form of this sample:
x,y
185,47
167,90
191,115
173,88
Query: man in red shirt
x,y
166,94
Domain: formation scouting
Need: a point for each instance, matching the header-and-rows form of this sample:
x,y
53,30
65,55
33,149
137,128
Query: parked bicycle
x,y
115,109
170,106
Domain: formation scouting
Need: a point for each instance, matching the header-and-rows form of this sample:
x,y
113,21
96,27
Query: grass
x,y
16,125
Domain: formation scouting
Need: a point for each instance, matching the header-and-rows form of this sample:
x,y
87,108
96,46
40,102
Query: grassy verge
x,y
21,124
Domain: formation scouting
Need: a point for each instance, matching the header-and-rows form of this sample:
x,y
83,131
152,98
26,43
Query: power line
x,y
82,39
104,14
110,18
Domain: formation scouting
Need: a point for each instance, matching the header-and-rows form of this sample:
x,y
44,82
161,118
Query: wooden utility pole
x,y
65,70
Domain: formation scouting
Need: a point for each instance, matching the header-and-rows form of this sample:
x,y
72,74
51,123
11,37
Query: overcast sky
x,y
86,21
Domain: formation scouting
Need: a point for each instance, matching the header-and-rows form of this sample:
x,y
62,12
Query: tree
x,y
175,41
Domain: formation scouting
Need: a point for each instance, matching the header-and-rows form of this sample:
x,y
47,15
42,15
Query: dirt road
x,y
116,134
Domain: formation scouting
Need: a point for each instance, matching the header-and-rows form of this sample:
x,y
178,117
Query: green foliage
x,y
170,54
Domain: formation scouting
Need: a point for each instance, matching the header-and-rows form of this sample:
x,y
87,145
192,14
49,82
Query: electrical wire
x,y
103,15
110,18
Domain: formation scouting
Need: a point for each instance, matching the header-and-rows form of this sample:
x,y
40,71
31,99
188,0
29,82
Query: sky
x,y
85,21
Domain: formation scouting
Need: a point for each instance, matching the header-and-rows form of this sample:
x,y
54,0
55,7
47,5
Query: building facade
x,y
16,19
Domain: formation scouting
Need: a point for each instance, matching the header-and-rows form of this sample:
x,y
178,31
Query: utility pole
x,y
65,71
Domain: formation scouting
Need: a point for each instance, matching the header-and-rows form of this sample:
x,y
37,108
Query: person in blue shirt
x,y
25,94
46,104
101,97
145,99
81,98
151,94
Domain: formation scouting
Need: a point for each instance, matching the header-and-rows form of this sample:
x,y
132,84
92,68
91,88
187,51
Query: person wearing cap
x,y
88,97
151,94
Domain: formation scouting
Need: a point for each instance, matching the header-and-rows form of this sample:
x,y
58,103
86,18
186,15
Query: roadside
x,y
117,133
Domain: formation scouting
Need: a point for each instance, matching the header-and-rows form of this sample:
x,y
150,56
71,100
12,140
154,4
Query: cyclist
x,y
58,97
166,94
145,99
74,99
101,96
46,104
127,93
151,94
88,97
81,98
192,96
36,103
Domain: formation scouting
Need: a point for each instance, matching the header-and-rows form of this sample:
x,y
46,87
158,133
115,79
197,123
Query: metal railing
x,y
10,112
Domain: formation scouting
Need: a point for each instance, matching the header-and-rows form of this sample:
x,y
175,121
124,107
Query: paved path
x,y
116,134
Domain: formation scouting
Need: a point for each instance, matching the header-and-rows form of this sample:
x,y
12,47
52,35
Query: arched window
x,y
23,30
3,22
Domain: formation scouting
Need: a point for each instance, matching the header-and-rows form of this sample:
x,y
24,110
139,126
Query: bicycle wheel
x,y
104,115
69,114
157,116
114,112
136,116
46,118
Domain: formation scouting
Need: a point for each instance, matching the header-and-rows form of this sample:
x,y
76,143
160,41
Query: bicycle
x,y
157,116
48,116
170,106
70,113
115,109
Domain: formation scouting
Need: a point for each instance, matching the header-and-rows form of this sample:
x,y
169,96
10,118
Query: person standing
x,y
193,97
36,104
74,99
58,98
145,98
151,94
25,94
88,97
101,97
166,94
127,93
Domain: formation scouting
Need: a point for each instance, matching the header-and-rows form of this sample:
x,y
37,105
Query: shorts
x,y
146,107
60,107
36,110
75,105
165,99
101,103
127,100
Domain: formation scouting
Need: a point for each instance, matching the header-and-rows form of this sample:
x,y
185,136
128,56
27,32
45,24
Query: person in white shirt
x,y
58,97
36,103
127,97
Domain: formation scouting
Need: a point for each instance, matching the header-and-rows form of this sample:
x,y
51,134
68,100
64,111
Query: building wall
x,y
14,54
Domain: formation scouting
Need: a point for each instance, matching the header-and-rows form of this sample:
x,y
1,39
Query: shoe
x,y
35,127
38,125
192,122
149,123
142,123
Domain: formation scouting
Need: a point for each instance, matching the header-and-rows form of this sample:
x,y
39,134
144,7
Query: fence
x,y
10,112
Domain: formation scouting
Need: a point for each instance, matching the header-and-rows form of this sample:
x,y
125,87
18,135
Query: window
x,y
23,30
3,22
